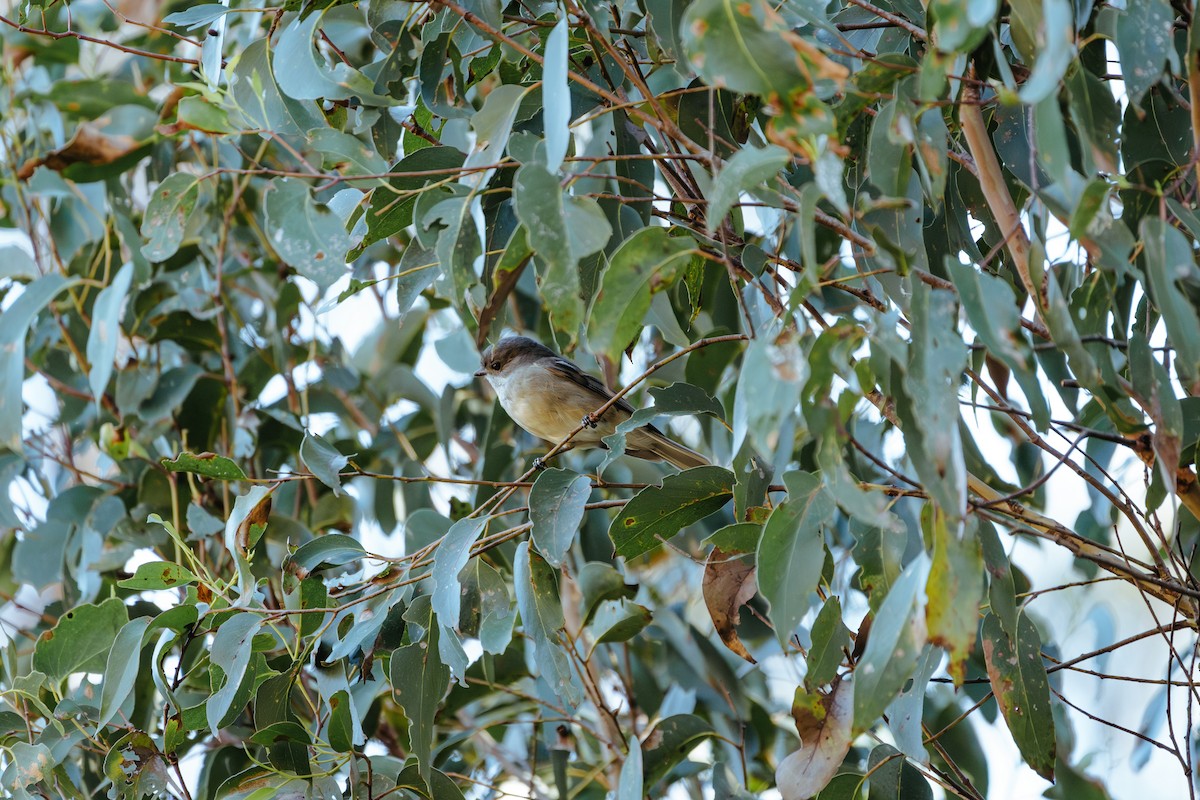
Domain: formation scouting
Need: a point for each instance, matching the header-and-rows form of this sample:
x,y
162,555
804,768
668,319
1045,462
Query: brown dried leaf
x,y
89,145
257,517
728,585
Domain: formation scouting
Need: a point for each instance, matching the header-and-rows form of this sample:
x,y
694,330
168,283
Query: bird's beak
x,y
481,373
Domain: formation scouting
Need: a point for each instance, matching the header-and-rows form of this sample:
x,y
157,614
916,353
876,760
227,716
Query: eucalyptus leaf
x,y
658,513
14,325
449,560
556,97
556,508
646,263
171,205
231,650
106,330
307,234
542,618
323,460
791,552
897,636
81,640
121,670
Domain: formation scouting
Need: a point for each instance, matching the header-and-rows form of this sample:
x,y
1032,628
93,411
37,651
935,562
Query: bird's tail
x,y
650,443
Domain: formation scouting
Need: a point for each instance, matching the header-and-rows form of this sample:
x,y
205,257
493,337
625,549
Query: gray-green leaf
x,y
106,330
792,550
556,504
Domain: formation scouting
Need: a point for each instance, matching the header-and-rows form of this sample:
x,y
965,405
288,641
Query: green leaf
x,y
391,209
496,615
992,311
449,560
747,47
121,670
646,263
171,206
418,269
1056,51
106,330
276,731
1097,118
329,550
906,713
1019,682
740,537
893,777
556,96
81,640
629,785
323,460
889,160
304,74
340,728
897,636
210,465
556,506
419,680
619,621
955,589
1169,259
27,764
348,154
458,243
1145,43
542,616
670,742
493,126
938,359
960,26
158,575
792,550
259,101
830,637
598,582
1061,322
307,236
746,170
231,649
16,263
657,513
1154,392
198,16
14,324
562,230
772,372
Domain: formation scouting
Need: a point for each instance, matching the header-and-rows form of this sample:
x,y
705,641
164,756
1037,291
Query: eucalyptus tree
x,y
918,278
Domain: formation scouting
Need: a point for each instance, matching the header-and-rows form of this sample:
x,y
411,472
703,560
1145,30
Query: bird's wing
x,y
567,369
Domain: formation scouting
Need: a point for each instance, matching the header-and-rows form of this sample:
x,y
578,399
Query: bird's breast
x,y
550,407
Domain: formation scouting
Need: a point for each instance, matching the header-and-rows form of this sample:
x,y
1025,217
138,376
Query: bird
x,y
550,396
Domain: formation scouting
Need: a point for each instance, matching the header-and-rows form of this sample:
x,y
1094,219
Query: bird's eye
x,y
495,365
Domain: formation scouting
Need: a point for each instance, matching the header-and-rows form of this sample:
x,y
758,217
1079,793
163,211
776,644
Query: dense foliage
x,y
919,277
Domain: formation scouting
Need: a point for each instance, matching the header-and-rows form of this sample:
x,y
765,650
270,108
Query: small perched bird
x,y
550,396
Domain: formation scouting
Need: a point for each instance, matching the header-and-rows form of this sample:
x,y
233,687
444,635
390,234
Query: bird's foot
x,y
588,421
539,463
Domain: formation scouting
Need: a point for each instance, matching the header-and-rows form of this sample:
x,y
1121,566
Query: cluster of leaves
x,y
857,243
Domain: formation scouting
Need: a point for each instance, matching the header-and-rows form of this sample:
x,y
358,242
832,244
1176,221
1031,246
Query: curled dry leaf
x,y
823,722
89,145
246,535
728,585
